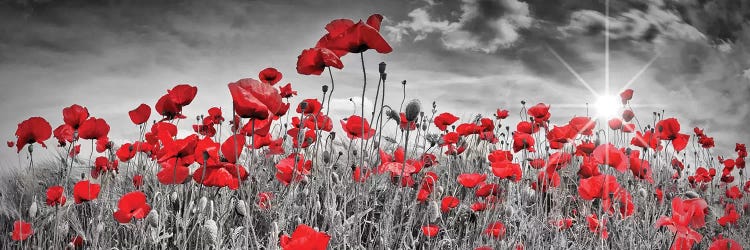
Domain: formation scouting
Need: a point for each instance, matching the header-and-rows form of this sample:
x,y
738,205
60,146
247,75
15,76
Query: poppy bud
x,y
240,208
153,218
383,76
335,177
523,102
381,67
31,148
326,156
211,232
33,209
325,88
403,82
424,127
412,110
333,135
202,203
692,194
354,152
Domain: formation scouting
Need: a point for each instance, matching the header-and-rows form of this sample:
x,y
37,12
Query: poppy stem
x,y
330,95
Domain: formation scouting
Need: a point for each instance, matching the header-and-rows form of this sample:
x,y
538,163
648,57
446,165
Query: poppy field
x,y
269,173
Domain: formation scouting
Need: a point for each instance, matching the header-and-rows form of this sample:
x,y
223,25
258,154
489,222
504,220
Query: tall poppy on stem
x,y
34,129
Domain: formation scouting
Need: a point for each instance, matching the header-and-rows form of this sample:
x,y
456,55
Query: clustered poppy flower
x,y
305,237
132,206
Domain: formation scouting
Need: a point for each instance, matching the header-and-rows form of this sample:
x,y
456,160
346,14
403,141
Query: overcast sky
x,y
471,56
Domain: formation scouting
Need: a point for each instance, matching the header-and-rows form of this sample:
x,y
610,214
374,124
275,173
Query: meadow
x,y
269,174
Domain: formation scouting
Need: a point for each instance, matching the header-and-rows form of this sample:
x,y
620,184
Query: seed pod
x,y
412,110
325,88
240,208
381,67
326,156
202,203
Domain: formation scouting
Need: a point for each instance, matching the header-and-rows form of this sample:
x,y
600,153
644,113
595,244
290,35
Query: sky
x,y
468,56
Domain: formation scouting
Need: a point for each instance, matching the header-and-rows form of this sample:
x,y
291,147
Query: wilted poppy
x,y
313,61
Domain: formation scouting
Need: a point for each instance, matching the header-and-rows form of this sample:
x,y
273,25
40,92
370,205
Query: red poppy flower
x,y
615,123
254,99
628,115
34,129
93,128
313,61
501,114
305,237
312,106
75,151
182,95
641,168
85,191
582,125
597,226
11,144
63,134
659,195
172,174
286,91
563,224
599,186
264,200
589,167
668,129
77,241
224,174
430,230
232,147
132,205
540,113
444,120
585,148
471,180
353,128
448,203
55,196
487,189
103,144
527,127
523,141
358,176
344,36
734,193
270,76
559,136
626,95
499,156
75,115
168,109
496,230
730,215
507,170
608,154
140,114
287,172
137,181
647,140
686,216
721,243
102,164
21,230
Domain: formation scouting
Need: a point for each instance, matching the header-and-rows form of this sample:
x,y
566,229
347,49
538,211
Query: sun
x,y
607,106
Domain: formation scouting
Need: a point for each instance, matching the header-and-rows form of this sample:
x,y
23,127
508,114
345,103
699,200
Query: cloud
x,y
483,25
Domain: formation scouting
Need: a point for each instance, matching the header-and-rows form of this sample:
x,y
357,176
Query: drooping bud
x,y
412,110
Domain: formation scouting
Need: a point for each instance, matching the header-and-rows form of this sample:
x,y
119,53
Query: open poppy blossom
x,y
102,164
471,180
311,106
305,237
523,141
270,76
132,206
21,230
444,120
608,154
254,99
232,147
501,114
721,243
540,113
93,128
353,128
597,226
730,215
344,36
599,186
55,196
496,230
287,172
448,203
182,94
224,174
687,215
85,191
430,230
734,193
507,170
34,129
314,60
286,91
173,173
75,115
140,114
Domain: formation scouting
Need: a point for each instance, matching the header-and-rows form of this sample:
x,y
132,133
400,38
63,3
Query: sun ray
x,y
572,71
645,67
606,47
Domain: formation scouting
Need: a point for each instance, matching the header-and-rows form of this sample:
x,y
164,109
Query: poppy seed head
x,y
381,67
325,88
412,110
